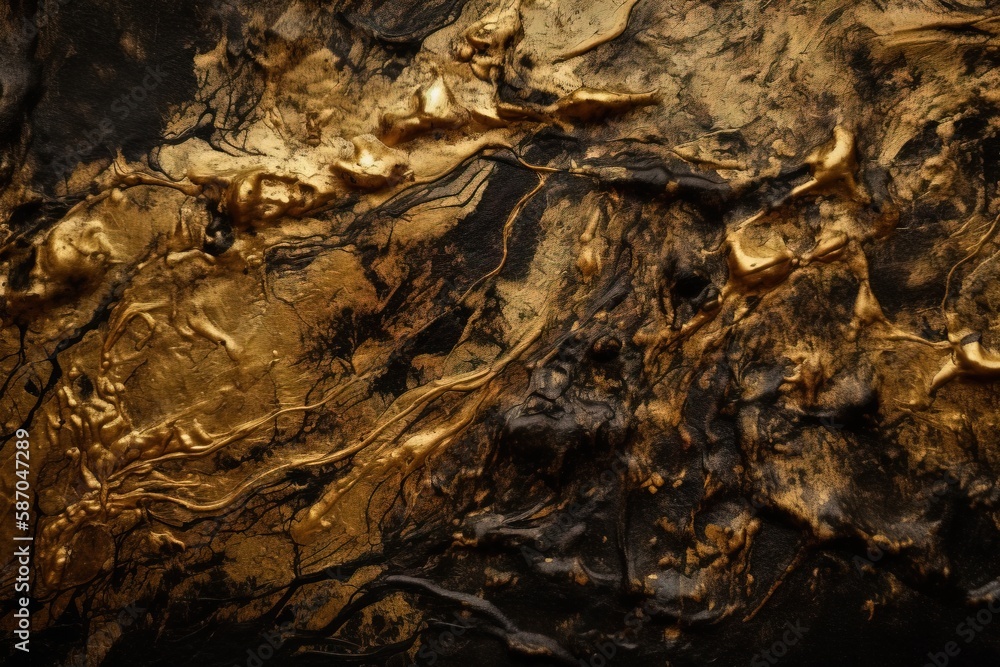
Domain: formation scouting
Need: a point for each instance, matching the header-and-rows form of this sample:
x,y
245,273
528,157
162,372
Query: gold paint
x,y
615,23
433,107
484,45
181,403
833,164
588,104
75,253
374,165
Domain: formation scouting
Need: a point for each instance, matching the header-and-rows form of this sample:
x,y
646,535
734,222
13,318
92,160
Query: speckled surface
x,y
503,332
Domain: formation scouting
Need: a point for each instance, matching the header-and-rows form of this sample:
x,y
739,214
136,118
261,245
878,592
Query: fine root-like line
x,y
235,434
972,253
507,229
408,404
418,398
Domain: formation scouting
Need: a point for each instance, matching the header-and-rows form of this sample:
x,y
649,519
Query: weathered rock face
x,y
503,332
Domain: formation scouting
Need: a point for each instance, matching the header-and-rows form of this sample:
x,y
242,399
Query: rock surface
x,y
503,332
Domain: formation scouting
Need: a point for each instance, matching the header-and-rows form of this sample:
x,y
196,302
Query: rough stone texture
x,y
503,332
